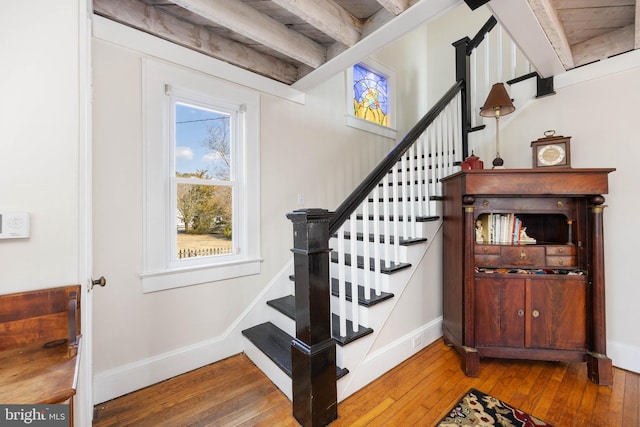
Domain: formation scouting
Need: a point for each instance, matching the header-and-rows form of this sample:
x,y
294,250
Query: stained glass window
x,y
370,95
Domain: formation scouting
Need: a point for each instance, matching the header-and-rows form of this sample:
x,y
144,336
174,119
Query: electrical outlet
x,y
14,225
417,341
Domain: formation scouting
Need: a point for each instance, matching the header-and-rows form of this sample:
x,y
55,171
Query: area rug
x,y
479,409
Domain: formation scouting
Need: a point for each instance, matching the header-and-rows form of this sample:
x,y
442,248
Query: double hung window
x,y
201,188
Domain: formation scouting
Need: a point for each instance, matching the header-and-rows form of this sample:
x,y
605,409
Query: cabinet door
x,y
556,314
499,311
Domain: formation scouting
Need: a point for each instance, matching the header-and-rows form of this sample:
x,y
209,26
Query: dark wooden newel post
x,y
313,351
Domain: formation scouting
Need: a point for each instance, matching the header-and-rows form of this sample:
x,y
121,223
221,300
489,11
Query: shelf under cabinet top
x,y
533,182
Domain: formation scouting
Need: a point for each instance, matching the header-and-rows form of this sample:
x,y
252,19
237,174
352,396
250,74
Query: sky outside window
x,y
193,127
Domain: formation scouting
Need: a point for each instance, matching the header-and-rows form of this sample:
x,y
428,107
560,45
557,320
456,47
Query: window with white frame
x,y
201,178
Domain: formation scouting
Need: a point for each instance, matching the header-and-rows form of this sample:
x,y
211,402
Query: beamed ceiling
x,y
584,31
286,40
280,39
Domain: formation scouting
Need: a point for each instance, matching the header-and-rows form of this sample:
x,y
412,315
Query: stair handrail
x,y
477,39
351,203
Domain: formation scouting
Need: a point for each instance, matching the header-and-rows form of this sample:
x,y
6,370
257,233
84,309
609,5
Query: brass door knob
x,y
535,313
100,282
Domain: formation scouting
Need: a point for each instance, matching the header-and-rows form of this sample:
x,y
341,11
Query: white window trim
x,y
160,270
366,125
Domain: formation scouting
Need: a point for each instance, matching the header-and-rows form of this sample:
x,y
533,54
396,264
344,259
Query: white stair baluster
x,y
433,158
405,196
376,239
420,175
458,126
354,269
366,248
446,142
387,224
412,190
342,294
439,147
396,216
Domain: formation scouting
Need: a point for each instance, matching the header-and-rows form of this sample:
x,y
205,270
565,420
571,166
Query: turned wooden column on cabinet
x,y
524,266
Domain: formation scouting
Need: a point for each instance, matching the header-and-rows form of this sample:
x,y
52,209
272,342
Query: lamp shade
x,y
498,101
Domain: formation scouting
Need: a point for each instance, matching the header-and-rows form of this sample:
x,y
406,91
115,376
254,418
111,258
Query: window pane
x,y
202,142
204,220
370,97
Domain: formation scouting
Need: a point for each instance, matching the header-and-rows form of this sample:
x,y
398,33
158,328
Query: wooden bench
x,y
39,342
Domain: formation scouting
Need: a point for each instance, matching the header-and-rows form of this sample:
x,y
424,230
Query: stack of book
x,y
501,228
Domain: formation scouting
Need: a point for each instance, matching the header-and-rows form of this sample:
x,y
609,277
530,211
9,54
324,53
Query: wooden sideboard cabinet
x,y
533,294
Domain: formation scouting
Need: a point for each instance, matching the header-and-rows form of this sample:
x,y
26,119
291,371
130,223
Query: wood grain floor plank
x,y
419,392
617,398
631,398
564,407
551,389
587,404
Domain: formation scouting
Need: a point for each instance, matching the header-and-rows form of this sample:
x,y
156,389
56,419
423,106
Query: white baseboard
x,y
388,357
124,379
624,356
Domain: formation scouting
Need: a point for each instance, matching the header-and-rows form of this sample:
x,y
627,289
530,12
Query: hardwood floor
x,y
419,392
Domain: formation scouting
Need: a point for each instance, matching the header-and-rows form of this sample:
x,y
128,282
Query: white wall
x,y
601,117
39,116
43,170
306,149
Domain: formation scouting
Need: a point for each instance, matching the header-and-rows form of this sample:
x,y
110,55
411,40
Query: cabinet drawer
x,y
487,250
561,261
488,260
564,250
523,256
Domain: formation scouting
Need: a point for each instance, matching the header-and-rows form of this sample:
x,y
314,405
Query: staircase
x,y
269,344
375,243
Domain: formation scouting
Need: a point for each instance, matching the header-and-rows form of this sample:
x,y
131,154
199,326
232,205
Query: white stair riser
x,y
382,278
282,321
419,228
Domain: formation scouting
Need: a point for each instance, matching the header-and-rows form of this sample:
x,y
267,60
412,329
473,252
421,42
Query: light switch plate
x,y
14,225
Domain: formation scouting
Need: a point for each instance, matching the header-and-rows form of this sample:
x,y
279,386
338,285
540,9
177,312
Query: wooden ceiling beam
x,y
395,6
604,46
328,17
550,23
610,17
154,21
581,4
247,21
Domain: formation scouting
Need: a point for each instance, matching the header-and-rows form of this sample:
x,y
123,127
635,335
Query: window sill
x,y
371,127
177,278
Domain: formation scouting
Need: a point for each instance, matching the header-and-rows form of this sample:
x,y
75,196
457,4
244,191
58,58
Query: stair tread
x,y
375,299
287,306
351,335
394,266
403,242
273,342
276,344
401,218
